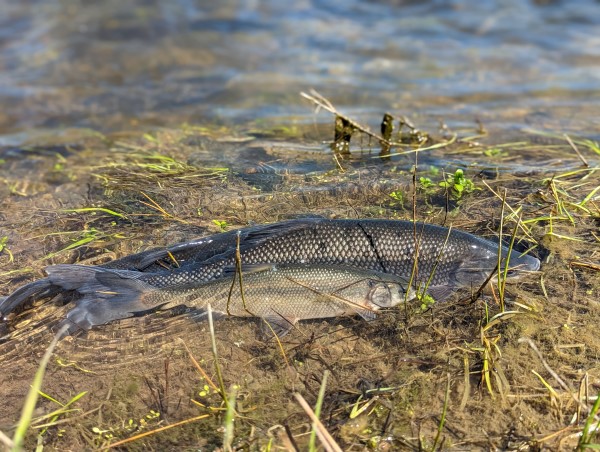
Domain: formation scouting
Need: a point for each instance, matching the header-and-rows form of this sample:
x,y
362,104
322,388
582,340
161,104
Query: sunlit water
x,y
117,65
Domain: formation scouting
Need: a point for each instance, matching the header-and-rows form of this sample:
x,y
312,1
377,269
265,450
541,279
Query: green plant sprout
x,y
458,184
3,247
222,224
398,198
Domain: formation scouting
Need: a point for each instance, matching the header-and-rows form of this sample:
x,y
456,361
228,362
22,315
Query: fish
x,y
281,295
442,259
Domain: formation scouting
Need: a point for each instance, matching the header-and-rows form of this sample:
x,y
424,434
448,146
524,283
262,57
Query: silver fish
x,y
447,259
279,294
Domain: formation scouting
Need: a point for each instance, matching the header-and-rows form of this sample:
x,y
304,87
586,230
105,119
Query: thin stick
x,y
238,264
204,374
588,265
287,363
6,440
545,364
326,439
213,341
581,157
551,371
238,274
152,432
467,388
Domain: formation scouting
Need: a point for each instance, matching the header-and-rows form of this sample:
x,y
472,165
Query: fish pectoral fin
x,y
247,269
366,314
440,293
277,324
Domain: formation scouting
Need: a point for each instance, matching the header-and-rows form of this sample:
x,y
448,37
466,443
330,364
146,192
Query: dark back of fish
x,y
446,259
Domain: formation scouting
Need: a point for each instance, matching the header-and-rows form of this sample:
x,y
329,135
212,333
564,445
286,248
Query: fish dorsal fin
x,y
247,269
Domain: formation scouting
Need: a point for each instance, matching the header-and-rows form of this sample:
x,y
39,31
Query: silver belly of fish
x,y
280,294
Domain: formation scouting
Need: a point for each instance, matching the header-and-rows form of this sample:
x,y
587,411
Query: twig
x,y
326,439
213,342
585,265
204,374
551,371
152,432
545,364
581,157
6,440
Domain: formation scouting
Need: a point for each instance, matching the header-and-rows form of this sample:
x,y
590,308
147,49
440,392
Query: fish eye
x,y
512,272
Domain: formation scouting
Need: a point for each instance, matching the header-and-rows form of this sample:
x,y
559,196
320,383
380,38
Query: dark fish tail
x,y
107,294
42,288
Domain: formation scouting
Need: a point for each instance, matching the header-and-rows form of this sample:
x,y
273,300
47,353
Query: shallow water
x,y
118,65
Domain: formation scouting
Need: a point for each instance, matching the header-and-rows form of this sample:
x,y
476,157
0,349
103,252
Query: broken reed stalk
x,y
574,147
321,102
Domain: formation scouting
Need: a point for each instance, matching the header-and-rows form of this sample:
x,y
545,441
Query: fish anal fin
x,y
440,293
366,314
277,324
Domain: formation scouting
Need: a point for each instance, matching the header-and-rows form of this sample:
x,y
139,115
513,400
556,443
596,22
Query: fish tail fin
x,y
42,288
107,295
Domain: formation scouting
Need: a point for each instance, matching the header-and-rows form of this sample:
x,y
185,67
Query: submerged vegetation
x,y
510,366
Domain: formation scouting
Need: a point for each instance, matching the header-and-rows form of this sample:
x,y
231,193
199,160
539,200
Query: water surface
x,y
117,65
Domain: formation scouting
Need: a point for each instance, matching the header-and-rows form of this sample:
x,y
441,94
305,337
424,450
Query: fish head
x,y
482,260
518,263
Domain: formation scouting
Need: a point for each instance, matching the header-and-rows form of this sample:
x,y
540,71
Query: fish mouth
x,y
523,263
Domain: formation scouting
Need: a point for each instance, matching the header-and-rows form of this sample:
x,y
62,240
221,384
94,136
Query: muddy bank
x,y
462,367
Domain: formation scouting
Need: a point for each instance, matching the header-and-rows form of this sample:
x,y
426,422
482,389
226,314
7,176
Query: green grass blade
x,y
32,395
313,433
